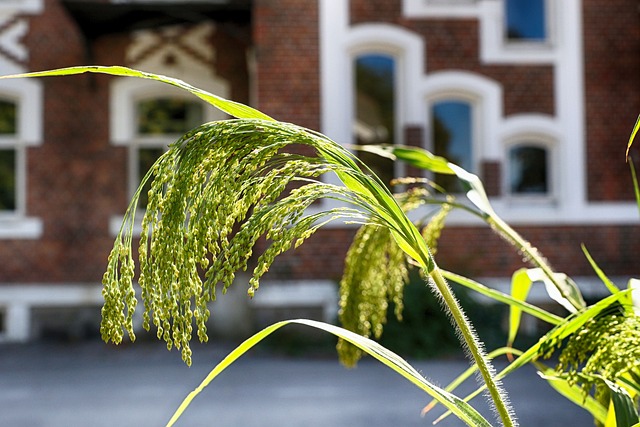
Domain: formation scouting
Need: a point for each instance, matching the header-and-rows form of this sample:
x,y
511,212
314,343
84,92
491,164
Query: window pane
x,y
7,180
7,118
528,170
452,138
375,109
146,158
168,116
525,20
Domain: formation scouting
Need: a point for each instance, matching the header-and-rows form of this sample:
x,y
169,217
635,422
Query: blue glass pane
x,y
452,137
526,20
374,83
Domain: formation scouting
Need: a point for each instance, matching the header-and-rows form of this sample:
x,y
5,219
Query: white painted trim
x,y
20,227
495,49
441,8
486,97
17,300
21,6
299,293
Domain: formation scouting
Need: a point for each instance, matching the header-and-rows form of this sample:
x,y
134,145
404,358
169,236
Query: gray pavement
x,y
94,384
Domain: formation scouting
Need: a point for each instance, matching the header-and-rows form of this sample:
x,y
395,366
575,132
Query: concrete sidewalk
x,y
93,384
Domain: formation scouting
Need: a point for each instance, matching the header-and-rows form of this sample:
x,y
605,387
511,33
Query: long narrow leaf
x,y
468,373
235,109
624,407
568,292
461,409
557,334
504,298
520,286
607,282
635,130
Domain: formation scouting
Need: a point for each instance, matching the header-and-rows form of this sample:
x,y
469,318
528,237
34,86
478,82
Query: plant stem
x,y
515,239
474,347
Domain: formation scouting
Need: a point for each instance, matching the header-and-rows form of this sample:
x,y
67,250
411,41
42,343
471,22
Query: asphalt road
x,y
93,384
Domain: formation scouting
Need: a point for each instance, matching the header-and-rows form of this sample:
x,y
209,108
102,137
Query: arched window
x,y
375,111
529,170
452,137
526,20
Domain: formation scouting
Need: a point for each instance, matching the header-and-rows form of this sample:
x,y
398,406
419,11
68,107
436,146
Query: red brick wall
x,y
76,180
477,251
612,85
286,35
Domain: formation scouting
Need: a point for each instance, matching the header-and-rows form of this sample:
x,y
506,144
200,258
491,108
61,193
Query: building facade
x,y
537,97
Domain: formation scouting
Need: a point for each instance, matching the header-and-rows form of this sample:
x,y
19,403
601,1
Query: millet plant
x,y
226,184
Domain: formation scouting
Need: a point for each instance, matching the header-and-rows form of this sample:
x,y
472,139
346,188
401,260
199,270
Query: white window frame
x,y
536,140
27,96
533,130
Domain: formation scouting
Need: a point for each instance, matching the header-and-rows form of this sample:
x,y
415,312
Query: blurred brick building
x,y
537,97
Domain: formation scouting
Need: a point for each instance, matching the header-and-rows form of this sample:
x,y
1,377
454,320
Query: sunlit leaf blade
x,y
607,282
426,160
504,298
623,405
461,409
232,108
520,286
414,156
569,287
635,130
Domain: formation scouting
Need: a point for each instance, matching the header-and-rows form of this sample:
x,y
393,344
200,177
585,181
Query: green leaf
x,y
570,325
520,286
471,370
521,304
623,405
570,291
635,130
232,108
608,283
461,409
417,157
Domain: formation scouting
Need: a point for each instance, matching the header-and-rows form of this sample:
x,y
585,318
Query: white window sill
x,y
20,228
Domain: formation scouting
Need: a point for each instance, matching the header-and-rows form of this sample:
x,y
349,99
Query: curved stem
x,y
475,348
515,239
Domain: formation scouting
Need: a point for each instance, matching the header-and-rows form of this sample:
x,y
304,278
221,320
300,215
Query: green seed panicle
x,y
213,195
